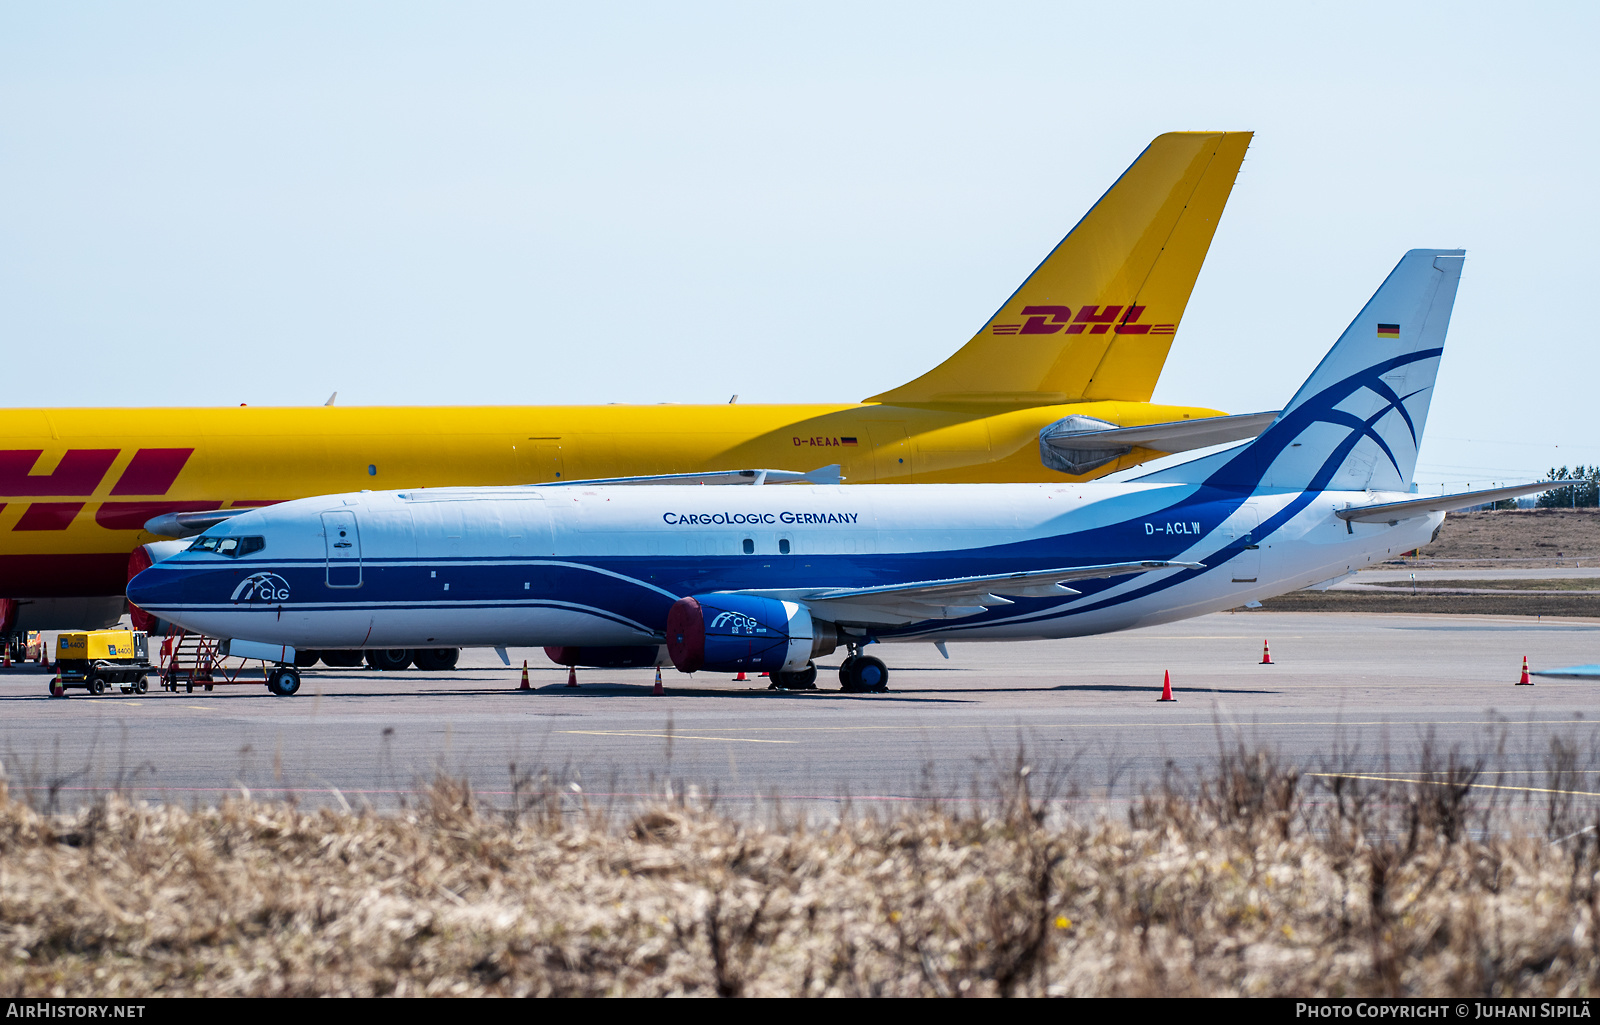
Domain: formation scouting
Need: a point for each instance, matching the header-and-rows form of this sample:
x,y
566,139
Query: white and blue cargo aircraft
x,y
770,578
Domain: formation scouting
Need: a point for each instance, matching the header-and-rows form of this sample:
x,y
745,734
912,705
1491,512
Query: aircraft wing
x,y
895,604
1394,512
822,475
1174,436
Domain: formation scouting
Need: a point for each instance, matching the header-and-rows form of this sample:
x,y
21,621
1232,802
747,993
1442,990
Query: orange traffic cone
x,y
8,657
1266,655
740,678
524,685
1166,687
658,691
572,676
1524,682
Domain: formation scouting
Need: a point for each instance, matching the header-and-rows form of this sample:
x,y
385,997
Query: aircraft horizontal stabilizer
x,y
822,475
1394,512
1078,444
894,604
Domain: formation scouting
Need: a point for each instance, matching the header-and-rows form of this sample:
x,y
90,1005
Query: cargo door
x,y
343,543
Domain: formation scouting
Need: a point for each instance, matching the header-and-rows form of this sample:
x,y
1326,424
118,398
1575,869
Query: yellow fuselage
x,y
79,484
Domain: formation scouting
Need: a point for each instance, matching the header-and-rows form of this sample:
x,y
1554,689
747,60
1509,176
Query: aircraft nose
x,y
147,588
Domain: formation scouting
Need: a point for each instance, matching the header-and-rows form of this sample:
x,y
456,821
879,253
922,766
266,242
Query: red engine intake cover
x,y
138,561
686,635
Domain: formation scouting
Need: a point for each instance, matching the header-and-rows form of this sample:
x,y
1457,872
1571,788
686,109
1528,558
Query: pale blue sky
x,y
514,203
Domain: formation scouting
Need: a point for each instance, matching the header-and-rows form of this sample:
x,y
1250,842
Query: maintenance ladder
x,y
188,659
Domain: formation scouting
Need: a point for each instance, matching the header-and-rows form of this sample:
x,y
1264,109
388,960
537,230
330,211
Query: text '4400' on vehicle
x,y
770,578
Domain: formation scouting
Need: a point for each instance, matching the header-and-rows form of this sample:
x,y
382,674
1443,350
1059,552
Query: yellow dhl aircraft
x,y
1055,386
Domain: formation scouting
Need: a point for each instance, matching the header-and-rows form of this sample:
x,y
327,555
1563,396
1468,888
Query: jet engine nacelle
x,y
732,633
609,658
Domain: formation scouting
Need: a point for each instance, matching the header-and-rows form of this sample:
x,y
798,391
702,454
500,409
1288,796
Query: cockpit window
x,y
232,547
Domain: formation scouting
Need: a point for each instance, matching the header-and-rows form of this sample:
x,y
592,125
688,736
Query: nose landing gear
x,y
283,681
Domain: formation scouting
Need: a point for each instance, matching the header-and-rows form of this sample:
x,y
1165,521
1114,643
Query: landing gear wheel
x,y
802,679
306,659
436,660
341,659
389,660
283,681
862,674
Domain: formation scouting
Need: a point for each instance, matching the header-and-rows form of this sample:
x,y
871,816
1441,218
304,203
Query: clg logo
x,y
737,623
1096,320
262,587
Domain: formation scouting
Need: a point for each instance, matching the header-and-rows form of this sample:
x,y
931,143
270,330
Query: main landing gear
x,y
802,679
863,674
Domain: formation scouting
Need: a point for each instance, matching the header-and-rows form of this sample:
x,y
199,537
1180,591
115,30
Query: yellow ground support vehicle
x,y
99,659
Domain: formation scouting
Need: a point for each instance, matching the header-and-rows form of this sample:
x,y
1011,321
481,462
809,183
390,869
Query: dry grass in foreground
x,y
1254,880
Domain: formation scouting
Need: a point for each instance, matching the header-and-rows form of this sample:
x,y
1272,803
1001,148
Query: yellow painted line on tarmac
x,y
201,708
673,736
1446,783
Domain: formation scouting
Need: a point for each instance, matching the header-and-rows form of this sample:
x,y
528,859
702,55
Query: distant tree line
x,y
1578,496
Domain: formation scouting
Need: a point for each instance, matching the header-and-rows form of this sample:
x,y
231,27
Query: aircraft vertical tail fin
x,y
1356,423
1096,319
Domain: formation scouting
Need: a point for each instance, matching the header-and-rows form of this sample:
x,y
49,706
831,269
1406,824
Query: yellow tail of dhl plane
x,y
1084,337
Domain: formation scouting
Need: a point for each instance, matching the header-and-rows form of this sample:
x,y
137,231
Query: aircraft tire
x,y
436,660
389,660
804,679
306,659
283,682
342,659
863,674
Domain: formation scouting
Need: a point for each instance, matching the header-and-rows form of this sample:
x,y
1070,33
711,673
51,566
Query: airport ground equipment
x,y
189,660
97,660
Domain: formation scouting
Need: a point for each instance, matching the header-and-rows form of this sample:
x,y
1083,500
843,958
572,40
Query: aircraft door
x,y
540,461
343,542
1247,564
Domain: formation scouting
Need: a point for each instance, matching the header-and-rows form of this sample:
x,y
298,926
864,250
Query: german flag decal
x,y
1389,331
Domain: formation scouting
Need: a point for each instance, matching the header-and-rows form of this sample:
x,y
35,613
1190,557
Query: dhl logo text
x,y
80,473
1094,320
151,471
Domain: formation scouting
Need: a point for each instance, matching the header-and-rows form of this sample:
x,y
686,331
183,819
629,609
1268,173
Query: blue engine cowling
x,y
731,633
608,658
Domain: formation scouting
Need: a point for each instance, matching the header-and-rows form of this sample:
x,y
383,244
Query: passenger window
x,y
749,546
783,546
